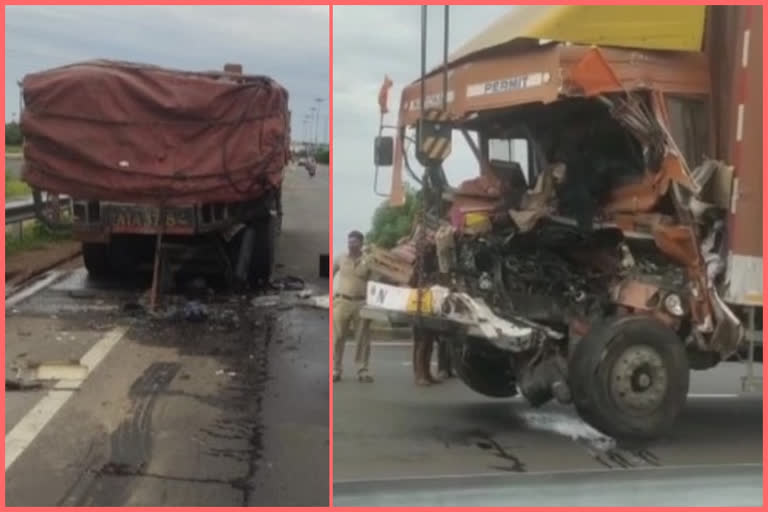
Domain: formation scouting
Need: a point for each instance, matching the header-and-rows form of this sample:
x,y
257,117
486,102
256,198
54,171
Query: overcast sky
x,y
369,42
288,43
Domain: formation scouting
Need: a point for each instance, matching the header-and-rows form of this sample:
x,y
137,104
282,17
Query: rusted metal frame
x,y
695,268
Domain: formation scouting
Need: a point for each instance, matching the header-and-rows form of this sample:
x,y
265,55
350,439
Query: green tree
x,y
391,223
12,134
322,156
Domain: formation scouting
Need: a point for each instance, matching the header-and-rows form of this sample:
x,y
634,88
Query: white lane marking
x,y
25,293
32,423
97,353
745,50
740,123
28,428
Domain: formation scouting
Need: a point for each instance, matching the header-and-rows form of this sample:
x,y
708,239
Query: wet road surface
x,y
228,411
390,434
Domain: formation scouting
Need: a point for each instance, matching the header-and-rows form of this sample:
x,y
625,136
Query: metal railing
x,y
19,211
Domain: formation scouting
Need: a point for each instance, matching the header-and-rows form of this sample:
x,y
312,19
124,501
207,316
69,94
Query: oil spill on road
x,y
233,432
491,445
486,442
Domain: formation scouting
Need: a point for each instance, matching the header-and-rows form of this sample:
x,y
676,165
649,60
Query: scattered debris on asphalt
x,y
57,370
19,385
134,308
320,301
266,301
289,283
82,294
194,311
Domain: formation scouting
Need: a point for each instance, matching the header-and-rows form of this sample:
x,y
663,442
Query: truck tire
x,y
629,378
263,259
96,259
483,368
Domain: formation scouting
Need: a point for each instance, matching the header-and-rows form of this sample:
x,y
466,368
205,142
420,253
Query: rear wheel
x,y
483,368
96,259
629,378
263,259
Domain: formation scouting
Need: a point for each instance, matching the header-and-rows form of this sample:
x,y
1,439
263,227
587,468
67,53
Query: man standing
x,y
423,343
353,273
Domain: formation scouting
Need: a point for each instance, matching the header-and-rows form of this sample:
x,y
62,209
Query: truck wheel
x,y
96,259
483,368
263,259
629,378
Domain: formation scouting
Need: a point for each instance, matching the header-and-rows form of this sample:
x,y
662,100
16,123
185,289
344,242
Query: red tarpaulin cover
x,y
135,133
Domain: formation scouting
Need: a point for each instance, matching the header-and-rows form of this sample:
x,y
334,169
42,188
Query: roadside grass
x,y
12,148
15,188
34,236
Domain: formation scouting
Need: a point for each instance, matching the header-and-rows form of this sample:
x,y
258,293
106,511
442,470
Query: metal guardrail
x,y
19,211
24,209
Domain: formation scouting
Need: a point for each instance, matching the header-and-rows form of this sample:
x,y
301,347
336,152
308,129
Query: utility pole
x,y
313,128
319,102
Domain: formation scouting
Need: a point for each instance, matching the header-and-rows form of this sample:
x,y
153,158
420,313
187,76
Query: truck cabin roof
x,y
511,77
538,54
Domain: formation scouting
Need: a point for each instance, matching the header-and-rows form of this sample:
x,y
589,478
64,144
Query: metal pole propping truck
x,y
165,168
611,241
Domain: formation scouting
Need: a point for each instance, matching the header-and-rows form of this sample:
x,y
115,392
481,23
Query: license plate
x,y
148,217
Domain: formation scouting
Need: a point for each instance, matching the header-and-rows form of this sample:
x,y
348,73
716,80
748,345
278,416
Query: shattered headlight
x,y
673,304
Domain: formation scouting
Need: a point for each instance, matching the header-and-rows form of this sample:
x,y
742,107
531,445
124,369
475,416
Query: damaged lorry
x,y
612,240
168,169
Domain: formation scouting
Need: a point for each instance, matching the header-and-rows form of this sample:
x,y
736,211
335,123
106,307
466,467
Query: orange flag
x,y
594,74
383,93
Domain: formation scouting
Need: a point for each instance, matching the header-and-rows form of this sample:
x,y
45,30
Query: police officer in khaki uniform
x,y
348,299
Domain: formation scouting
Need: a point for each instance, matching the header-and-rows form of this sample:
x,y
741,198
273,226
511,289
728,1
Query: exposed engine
x,y
557,274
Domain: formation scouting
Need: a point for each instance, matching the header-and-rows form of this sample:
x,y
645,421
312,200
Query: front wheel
x,y
629,378
263,259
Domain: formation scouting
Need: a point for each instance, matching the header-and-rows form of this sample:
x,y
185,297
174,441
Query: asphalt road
x,y
230,411
393,435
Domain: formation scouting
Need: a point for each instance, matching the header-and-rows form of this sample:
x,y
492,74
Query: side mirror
x,y
383,151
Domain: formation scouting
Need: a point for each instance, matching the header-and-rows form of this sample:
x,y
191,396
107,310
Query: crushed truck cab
x,y
592,259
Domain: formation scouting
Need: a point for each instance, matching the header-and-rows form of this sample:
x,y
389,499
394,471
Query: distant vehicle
x,y
185,166
309,164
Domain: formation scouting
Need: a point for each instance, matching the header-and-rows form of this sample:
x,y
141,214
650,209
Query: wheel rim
x,y
639,380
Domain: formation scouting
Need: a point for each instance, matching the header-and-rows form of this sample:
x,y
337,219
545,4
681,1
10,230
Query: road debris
x,y
20,385
288,283
320,301
57,370
194,311
266,301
